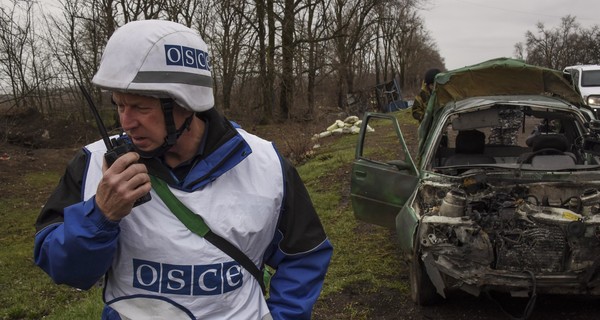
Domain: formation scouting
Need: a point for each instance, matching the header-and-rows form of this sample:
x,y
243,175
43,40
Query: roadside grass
x,y
364,255
26,292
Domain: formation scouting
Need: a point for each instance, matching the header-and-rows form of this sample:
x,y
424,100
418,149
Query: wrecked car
x,y
503,193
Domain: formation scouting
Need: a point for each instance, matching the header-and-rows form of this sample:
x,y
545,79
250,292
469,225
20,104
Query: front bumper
x,y
447,275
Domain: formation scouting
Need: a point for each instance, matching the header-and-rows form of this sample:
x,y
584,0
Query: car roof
x,y
584,67
517,100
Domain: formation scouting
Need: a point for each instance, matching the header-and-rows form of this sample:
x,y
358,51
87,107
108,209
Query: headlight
x,y
593,101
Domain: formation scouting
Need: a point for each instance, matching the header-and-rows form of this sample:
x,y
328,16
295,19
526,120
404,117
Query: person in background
x,y
241,190
421,100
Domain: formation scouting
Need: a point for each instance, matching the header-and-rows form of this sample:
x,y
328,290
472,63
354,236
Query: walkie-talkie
x,y
115,147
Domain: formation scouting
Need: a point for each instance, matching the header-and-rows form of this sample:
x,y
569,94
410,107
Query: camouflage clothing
x,y
506,133
420,103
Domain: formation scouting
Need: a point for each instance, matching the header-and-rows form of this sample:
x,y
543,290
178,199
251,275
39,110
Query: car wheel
x,y
422,290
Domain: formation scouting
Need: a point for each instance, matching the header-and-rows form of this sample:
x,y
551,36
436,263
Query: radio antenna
x,y
101,127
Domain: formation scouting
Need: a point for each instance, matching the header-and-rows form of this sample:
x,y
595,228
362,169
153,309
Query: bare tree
x,y
314,36
265,56
77,40
228,37
106,14
141,9
591,38
352,19
15,35
301,51
410,42
266,82
564,45
286,100
182,10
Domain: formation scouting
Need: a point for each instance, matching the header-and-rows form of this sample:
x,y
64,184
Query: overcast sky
x,y
472,31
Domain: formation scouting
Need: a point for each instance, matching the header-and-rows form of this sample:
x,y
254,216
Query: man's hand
x,y
121,185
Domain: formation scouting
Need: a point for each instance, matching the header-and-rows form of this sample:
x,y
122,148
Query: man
x,y
154,265
421,100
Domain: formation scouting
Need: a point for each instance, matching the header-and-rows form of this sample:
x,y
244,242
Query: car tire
x,y
422,290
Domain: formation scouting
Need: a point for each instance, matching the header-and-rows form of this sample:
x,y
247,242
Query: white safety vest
x,y
162,270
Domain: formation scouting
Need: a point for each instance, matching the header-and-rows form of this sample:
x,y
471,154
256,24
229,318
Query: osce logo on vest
x,y
186,57
197,280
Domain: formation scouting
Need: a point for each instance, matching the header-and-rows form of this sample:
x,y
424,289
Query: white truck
x,y
586,79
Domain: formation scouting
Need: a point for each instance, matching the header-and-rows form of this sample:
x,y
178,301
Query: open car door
x,y
383,173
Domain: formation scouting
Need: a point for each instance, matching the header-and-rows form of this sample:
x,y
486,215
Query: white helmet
x,y
161,59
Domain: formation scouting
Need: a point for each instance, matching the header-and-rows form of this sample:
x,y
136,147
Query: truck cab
x,y
586,79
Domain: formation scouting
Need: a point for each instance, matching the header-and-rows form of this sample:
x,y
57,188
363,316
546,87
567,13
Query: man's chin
x,y
143,145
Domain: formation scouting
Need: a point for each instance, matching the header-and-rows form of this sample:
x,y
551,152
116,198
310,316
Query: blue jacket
x,y
75,244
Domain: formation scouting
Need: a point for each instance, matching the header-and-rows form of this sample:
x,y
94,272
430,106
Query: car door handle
x,y
360,174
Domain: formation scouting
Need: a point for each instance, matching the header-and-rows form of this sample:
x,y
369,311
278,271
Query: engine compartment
x,y
538,227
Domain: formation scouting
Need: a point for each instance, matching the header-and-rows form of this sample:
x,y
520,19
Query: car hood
x,y
502,76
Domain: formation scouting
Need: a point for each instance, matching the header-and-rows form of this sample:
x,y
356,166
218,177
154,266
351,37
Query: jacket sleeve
x,y
420,103
74,242
300,253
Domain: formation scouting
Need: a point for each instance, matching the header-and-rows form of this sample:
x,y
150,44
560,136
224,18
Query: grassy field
x,y
363,254
26,291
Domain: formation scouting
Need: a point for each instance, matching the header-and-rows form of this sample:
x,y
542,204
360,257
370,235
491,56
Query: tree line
x,y
566,44
272,59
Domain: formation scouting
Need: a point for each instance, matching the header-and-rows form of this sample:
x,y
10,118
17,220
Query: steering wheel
x,y
545,152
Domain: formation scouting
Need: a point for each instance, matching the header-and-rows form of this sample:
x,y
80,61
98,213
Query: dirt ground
x,y
32,143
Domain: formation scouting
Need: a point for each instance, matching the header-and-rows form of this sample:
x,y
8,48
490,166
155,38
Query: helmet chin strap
x,y
172,132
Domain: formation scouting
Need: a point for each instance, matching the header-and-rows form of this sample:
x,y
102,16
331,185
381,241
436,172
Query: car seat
x,y
549,150
470,145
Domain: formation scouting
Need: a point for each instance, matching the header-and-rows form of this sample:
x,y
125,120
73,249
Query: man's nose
x,y
127,118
